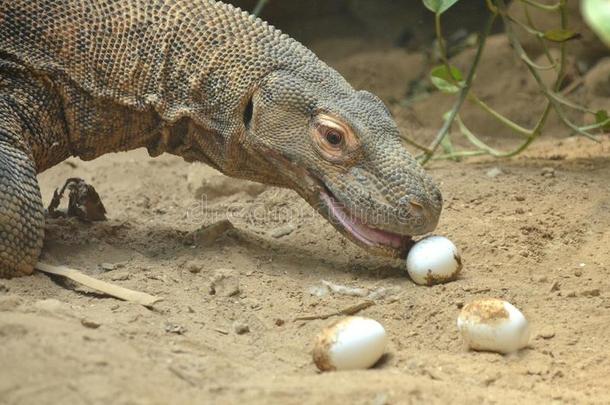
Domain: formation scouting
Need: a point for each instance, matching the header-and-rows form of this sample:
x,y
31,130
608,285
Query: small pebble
x,y
541,279
555,286
88,323
120,276
210,233
494,172
241,327
318,290
224,283
548,172
595,292
107,266
194,267
537,368
175,328
546,333
283,230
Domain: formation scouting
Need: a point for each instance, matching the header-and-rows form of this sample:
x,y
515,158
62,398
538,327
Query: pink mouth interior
x,y
361,231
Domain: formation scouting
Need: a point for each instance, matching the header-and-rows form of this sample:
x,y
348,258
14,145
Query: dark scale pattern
x,y
87,77
21,210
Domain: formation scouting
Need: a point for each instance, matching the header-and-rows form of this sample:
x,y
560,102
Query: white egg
x,y
349,344
434,260
494,325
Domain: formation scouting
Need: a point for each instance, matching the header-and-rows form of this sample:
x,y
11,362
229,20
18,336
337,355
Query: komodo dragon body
x,y
203,80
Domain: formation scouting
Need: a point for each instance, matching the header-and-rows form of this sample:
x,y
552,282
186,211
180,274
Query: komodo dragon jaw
x,y
373,224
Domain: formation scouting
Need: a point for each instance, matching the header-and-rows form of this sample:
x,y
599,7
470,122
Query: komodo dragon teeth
x,y
206,81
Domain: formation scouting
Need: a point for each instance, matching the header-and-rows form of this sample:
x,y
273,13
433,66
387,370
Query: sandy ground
x,y
534,230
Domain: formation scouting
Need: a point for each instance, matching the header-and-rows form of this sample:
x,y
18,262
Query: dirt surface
x,y
534,230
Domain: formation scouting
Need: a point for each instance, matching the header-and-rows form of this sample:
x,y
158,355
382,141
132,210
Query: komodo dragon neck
x,y
170,76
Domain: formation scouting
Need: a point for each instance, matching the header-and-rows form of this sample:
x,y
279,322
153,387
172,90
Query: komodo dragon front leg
x,y
30,130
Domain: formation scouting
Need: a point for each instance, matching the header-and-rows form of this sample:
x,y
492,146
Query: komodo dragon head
x,y
340,149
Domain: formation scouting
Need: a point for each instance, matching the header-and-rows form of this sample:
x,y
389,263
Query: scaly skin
x,y
205,81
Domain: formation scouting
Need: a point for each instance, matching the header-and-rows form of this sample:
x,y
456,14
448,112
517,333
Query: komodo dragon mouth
x,y
322,199
384,242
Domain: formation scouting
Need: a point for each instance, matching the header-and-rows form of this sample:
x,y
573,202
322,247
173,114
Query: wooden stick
x,y
353,310
99,285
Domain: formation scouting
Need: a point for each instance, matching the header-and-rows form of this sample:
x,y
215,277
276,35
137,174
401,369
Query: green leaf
x,y
559,35
439,6
597,15
601,116
445,81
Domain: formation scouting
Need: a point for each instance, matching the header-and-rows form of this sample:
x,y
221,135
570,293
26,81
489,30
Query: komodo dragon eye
x,y
334,139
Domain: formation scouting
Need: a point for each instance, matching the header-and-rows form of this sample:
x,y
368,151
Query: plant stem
x,y
528,28
499,117
562,46
459,154
415,143
522,54
540,39
441,45
596,126
492,8
463,93
569,103
259,7
546,7
488,149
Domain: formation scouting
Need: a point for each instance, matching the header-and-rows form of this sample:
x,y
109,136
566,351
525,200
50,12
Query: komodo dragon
x,y
202,80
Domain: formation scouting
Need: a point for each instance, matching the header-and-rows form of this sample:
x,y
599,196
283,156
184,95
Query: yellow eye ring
x,y
334,139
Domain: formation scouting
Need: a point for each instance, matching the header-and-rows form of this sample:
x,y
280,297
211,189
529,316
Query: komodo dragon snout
x,y
340,149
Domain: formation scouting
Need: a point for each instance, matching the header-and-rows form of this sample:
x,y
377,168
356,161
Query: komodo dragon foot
x,y
84,202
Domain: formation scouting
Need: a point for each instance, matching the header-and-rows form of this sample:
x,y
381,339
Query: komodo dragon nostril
x,y
416,207
409,202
